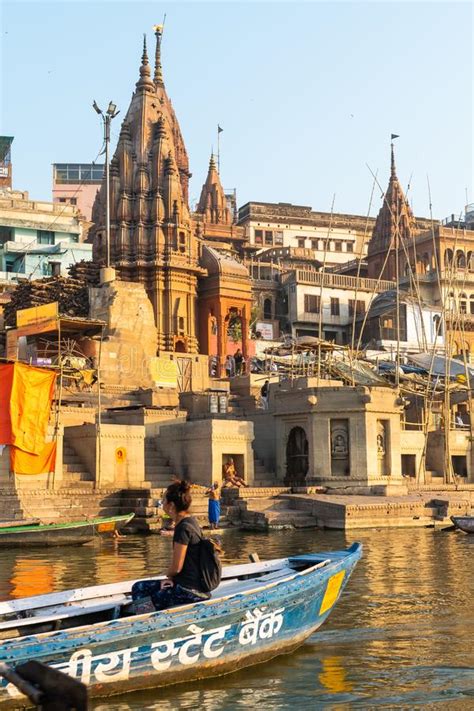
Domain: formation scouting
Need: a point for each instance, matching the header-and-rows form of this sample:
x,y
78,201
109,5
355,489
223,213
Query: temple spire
x,y
393,171
145,73
158,76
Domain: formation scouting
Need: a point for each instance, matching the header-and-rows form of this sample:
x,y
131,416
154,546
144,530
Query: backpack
x,y
211,568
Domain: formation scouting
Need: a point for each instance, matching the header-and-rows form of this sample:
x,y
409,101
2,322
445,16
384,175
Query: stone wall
x,y
196,449
115,457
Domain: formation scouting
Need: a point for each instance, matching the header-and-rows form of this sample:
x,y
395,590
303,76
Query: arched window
x,y
470,261
471,304
267,309
463,303
426,263
448,257
460,259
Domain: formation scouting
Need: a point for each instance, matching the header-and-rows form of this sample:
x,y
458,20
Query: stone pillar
x,y
221,342
245,328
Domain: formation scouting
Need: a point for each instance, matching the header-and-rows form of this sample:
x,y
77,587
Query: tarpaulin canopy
x,y
437,365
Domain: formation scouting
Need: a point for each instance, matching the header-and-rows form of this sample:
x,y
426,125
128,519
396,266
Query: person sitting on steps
x,y
231,478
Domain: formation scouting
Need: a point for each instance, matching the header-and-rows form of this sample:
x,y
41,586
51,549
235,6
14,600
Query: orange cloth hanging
x,y
27,463
30,405
6,382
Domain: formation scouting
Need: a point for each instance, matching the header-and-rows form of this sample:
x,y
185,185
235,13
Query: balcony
x,y
339,281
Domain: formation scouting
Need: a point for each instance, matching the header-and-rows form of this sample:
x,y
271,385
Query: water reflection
x,y
401,636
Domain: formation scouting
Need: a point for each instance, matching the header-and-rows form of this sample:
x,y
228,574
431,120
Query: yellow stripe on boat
x,y
332,591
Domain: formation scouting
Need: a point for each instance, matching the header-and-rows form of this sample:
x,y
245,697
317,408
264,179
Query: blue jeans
x,y
169,597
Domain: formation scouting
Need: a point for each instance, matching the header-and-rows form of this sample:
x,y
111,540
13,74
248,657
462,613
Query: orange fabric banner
x,y
30,404
27,463
6,382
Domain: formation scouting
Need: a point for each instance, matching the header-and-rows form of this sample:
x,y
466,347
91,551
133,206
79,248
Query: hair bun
x,y
184,486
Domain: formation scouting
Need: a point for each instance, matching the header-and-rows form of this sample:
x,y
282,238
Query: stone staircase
x,y
158,472
261,509
75,473
60,505
262,477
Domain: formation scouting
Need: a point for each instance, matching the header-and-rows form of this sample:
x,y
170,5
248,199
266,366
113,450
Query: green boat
x,y
61,534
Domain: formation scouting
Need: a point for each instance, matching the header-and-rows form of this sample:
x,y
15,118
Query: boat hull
x,y
464,523
61,534
191,642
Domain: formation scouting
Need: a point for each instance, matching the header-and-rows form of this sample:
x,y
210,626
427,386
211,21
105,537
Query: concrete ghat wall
x,y
195,449
118,459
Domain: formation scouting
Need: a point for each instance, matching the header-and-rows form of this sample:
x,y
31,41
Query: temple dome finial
x,y
158,75
145,74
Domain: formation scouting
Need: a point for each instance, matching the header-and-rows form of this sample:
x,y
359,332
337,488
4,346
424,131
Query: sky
x,y
307,94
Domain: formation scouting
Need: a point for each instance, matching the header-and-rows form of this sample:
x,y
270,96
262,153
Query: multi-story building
x,y
332,238
77,184
327,305
38,238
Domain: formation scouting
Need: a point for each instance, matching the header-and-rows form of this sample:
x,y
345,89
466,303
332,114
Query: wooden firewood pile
x,y
71,292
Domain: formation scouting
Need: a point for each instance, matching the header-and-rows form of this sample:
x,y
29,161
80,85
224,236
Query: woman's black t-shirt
x,y
188,533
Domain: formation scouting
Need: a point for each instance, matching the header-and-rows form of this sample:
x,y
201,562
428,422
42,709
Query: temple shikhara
x,y
154,239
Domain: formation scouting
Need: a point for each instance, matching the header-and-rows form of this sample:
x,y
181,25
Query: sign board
x,y
37,315
164,372
265,330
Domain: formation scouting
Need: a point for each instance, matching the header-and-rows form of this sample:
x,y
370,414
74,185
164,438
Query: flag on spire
x,y
219,129
394,135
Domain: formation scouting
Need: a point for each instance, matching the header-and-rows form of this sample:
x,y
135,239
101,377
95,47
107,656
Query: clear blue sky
x,y
307,93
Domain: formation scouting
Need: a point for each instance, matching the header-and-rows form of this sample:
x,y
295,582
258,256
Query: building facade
x,y
327,305
77,184
332,238
37,238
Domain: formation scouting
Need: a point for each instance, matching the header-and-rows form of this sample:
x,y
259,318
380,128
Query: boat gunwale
x,y
67,525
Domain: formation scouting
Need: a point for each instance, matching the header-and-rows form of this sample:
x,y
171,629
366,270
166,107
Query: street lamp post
x,y
106,120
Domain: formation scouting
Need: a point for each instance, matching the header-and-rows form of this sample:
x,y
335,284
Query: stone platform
x,y
263,509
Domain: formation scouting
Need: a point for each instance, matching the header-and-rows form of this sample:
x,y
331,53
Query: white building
x,y
332,300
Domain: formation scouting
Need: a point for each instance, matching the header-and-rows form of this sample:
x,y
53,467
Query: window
x,y
44,237
181,324
312,304
73,201
301,242
349,246
471,304
278,238
63,200
314,244
5,235
338,246
268,237
334,307
182,242
359,307
55,268
258,236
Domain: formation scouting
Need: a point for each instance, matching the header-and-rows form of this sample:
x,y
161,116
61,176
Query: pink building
x,y
77,184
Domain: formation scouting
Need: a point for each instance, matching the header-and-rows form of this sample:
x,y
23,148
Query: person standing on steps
x,y
238,359
264,391
214,508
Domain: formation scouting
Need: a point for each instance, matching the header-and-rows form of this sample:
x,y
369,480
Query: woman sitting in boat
x,y
183,584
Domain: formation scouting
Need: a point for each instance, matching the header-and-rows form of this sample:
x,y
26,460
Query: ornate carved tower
x,y
151,235
394,225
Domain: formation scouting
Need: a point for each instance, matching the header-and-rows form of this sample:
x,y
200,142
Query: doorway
x,y
296,457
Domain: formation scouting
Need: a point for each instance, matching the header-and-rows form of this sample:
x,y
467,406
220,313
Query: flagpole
x,y
218,149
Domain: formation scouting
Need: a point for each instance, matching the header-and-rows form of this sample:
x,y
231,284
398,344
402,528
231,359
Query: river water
x,y
401,637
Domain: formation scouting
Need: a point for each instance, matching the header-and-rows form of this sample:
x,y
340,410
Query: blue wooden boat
x,y
260,610
464,523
